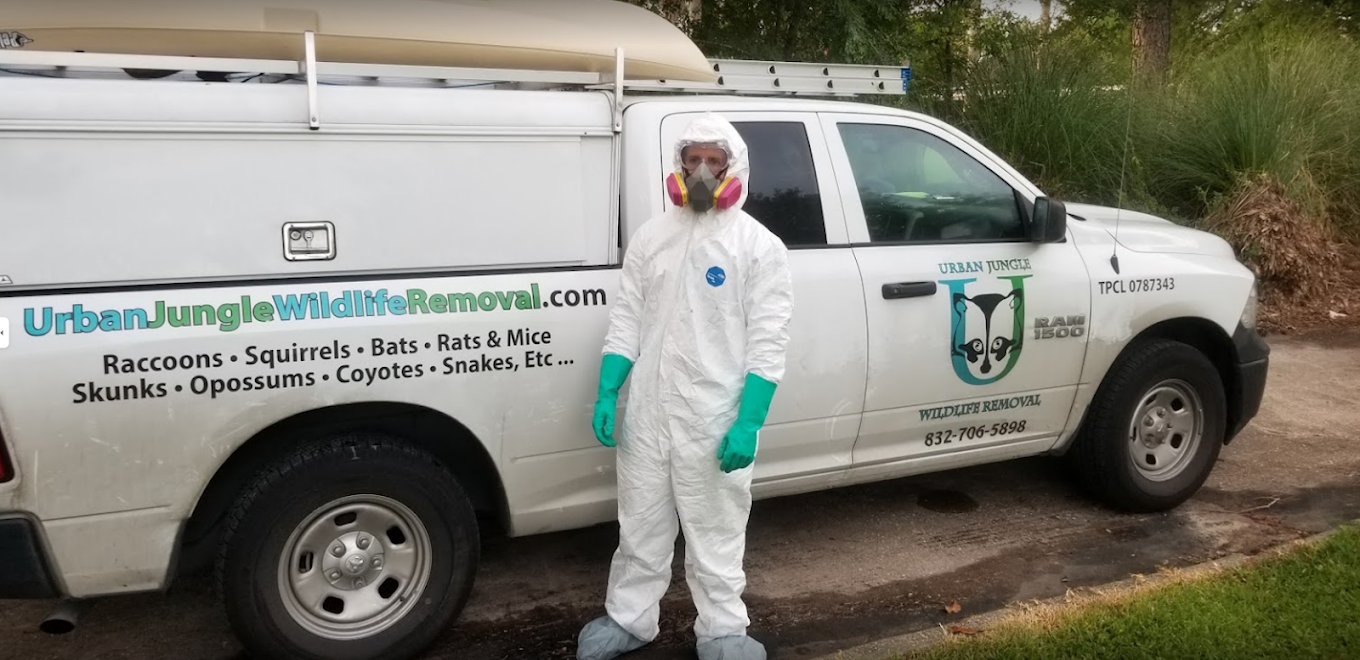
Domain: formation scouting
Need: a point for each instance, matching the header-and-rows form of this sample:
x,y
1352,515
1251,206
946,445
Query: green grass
x,y
1305,604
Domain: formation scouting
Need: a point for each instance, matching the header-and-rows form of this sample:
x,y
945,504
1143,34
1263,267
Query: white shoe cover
x,y
603,639
735,647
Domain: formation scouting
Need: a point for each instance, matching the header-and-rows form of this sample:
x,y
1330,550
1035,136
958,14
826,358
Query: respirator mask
x,y
702,190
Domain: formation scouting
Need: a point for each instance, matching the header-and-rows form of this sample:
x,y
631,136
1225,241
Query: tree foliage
x,y
812,30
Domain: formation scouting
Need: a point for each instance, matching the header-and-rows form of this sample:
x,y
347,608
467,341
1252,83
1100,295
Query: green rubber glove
x,y
613,371
738,448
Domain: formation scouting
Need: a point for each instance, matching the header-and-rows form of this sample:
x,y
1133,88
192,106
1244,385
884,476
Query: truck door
x,y
812,426
976,333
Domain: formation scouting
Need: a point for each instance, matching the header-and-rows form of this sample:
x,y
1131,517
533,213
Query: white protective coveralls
x,y
705,299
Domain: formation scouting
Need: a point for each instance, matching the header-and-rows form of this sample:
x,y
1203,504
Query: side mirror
x,y
1049,224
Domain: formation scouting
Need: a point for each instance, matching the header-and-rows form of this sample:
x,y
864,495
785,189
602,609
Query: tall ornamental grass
x,y
1057,113
1280,111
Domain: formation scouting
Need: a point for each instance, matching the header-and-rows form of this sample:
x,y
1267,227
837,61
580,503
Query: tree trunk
x,y
973,18
1152,39
1045,24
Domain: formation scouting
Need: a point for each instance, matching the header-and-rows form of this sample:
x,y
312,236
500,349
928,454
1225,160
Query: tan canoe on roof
x,y
560,35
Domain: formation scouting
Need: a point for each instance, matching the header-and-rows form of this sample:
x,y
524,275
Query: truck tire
x,y
358,547
1154,428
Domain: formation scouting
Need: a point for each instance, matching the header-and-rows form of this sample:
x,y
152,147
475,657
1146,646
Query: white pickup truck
x,y
322,356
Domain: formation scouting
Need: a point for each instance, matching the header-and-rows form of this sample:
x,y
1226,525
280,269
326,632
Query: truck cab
x,y
945,317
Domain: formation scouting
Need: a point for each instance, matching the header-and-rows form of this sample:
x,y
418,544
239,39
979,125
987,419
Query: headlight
x,y
1249,312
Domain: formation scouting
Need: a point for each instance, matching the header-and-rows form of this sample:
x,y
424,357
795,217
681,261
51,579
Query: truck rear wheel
x,y
1154,429
360,547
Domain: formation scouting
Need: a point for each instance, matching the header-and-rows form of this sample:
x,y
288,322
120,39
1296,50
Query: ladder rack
x,y
732,76
797,78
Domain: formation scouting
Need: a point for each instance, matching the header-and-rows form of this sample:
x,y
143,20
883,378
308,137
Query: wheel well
x,y
1210,339
451,442
1203,335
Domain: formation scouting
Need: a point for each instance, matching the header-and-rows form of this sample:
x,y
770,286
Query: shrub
x,y
1284,109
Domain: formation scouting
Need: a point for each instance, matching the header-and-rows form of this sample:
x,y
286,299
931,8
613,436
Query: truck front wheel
x,y
360,547
1154,429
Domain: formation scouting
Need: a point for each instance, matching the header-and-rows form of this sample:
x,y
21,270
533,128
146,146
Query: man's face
x,y
714,157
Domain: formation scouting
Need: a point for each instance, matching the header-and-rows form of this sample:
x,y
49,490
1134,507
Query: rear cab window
x,y
783,193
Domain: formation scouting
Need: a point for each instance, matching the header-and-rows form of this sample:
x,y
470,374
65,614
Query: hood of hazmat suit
x,y
704,305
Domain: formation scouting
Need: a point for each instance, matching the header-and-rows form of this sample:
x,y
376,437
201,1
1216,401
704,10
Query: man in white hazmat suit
x,y
701,323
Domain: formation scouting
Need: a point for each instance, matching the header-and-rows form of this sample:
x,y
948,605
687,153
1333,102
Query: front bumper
x,y
23,568
1249,379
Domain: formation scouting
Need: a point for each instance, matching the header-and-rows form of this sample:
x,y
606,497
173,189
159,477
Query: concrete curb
x,y
922,639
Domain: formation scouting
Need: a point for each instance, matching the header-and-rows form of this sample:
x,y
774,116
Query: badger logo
x,y
14,40
986,332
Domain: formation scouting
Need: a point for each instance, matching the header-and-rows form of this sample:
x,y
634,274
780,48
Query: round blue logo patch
x,y
715,276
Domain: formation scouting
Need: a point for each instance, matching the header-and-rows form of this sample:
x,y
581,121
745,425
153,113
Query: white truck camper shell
x,y
503,120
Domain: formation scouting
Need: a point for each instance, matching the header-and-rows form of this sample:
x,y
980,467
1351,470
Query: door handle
x,y
897,290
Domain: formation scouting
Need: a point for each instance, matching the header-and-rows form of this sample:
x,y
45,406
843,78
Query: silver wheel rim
x,y
354,567
1166,430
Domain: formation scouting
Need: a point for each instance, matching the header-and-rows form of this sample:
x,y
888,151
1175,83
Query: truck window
x,y
783,193
917,188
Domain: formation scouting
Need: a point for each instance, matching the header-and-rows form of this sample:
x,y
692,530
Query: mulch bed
x,y
1309,278
1336,304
